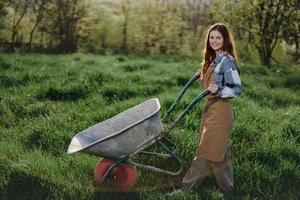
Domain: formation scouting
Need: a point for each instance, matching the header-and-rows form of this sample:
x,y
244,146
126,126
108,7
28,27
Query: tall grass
x,y
46,99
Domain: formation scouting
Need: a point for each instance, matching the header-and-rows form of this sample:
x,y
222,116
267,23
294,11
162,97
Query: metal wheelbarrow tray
x,y
125,134
130,132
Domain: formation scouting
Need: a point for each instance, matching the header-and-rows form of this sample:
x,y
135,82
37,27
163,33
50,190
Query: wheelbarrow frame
x,y
168,146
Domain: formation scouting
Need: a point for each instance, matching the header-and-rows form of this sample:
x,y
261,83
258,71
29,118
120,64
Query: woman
x,y
220,75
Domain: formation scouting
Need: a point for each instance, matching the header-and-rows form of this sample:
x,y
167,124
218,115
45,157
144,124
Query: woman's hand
x,y
200,73
213,88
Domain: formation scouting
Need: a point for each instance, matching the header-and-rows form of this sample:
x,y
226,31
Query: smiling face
x,y
216,40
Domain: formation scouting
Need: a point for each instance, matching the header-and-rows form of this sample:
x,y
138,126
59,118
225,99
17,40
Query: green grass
x,y
46,99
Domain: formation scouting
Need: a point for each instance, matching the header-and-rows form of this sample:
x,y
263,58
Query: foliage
x,y
2,12
264,21
105,27
291,31
173,27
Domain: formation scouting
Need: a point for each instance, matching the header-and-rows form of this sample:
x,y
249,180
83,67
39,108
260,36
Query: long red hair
x,y
209,54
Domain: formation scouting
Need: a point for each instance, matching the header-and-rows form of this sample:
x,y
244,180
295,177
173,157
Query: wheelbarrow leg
x,y
159,170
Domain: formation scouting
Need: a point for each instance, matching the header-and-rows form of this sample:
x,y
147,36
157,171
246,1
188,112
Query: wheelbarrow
x,y
116,139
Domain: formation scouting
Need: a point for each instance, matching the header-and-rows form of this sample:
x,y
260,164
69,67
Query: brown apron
x,y
217,124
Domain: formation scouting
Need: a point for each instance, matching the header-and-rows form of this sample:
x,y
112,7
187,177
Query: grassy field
x,y
46,99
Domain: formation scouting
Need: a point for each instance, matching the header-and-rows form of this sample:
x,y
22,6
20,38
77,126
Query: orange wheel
x,y
123,175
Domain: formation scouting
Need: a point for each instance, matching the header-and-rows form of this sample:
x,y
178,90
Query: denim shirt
x,y
227,76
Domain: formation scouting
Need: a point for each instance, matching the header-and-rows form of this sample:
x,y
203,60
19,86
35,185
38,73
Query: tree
x,y
3,12
196,16
159,27
262,19
37,8
151,23
65,15
291,28
20,8
97,29
125,7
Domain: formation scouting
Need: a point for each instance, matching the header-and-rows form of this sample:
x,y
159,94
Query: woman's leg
x,y
224,173
196,173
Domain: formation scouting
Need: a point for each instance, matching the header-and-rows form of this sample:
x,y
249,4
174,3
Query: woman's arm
x,y
231,85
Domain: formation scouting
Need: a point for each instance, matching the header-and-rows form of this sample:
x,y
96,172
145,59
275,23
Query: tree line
x,y
145,26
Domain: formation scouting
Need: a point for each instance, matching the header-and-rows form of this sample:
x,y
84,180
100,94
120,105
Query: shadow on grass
x,y
53,143
14,81
293,82
20,185
61,94
136,67
117,195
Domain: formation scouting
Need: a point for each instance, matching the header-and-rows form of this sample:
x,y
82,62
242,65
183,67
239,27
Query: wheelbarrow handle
x,y
187,109
187,85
